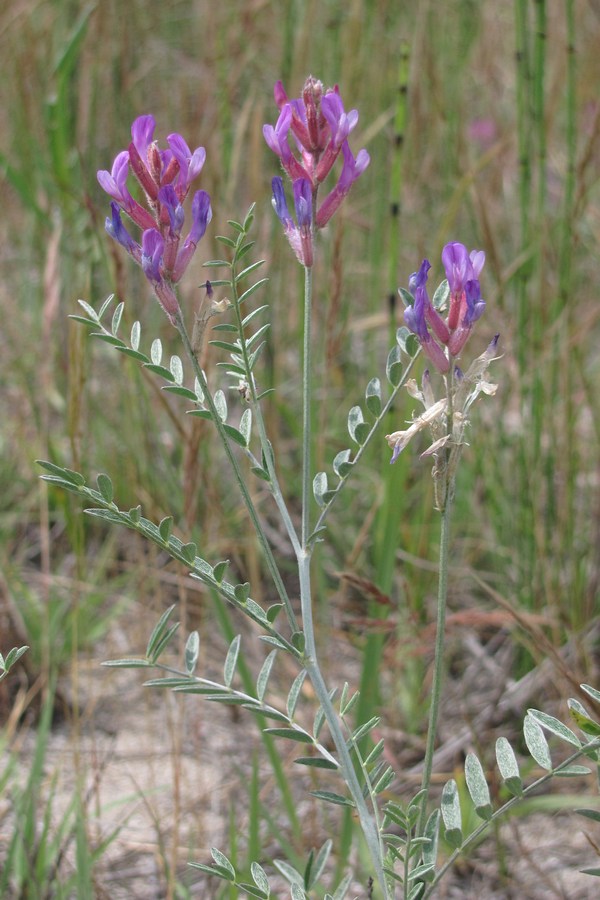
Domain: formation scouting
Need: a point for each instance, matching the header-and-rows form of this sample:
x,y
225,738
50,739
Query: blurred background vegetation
x,y
482,121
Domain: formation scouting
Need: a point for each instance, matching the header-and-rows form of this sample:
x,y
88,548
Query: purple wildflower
x,y
165,176
466,305
320,127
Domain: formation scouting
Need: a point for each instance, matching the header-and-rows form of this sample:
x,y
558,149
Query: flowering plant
x,y
309,137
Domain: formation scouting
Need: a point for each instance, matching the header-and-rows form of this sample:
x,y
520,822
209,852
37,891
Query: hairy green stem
x,y
448,476
438,665
306,400
367,820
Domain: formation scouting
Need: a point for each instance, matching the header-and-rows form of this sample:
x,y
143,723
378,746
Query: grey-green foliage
x,y
301,883
362,427
161,535
535,726
12,657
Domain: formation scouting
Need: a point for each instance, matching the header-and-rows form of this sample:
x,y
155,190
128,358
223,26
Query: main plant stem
x,y
347,770
438,665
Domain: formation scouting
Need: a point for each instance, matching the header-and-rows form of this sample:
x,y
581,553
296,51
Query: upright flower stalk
x,y
318,126
446,418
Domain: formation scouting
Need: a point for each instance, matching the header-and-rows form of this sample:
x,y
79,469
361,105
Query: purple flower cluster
x,y
318,126
442,339
165,177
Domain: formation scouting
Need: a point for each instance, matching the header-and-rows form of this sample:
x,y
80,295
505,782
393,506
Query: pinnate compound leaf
x,y
508,767
477,787
222,861
555,726
231,660
536,742
192,648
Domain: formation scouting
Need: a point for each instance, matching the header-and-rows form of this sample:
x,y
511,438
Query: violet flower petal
x,y
142,134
